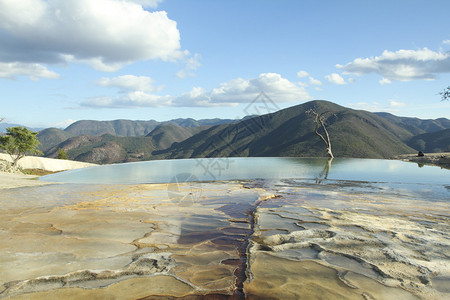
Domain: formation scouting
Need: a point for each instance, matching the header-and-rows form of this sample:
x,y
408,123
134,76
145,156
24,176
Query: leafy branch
x,y
445,94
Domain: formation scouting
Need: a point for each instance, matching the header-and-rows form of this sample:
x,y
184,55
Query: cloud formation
x,y
240,90
134,91
402,65
335,78
138,92
34,71
301,74
192,63
391,106
147,3
106,34
128,83
129,100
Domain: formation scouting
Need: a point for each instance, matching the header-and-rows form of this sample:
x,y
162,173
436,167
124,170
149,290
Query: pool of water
x,y
212,169
319,228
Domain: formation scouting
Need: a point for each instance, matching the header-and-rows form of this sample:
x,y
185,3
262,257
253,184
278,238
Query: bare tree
x,y
445,94
320,120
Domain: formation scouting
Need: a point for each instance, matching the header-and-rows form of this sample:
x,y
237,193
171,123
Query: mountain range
x,y
287,132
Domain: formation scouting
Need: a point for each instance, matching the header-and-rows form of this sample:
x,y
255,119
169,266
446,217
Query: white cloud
x,y
182,74
106,34
402,65
395,104
147,3
374,106
301,74
230,93
241,90
192,63
391,106
446,42
385,81
134,91
129,100
63,124
335,78
128,82
313,81
32,70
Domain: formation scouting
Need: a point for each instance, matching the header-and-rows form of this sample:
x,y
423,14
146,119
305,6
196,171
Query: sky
x,y
68,60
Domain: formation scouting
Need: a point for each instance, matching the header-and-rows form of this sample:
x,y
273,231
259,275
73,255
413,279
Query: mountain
x,y
3,127
105,149
166,134
416,125
438,141
289,132
116,127
204,122
109,148
133,128
51,137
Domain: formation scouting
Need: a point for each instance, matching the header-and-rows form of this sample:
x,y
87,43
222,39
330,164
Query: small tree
x,y
17,142
445,94
62,154
320,120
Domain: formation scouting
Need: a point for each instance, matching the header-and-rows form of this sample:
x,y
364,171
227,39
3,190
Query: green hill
x,y
51,137
416,125
133,128
289,132
109,148
166,134
105,149
431,142
116,127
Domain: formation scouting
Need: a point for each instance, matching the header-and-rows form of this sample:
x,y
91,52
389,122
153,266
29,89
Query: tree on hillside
x,y
320,120
445,94
62,154
17,142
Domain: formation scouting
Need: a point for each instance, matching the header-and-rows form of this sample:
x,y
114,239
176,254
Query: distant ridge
x,y
110,148
133,128
416,125
438,141
3,127
166,134
288,132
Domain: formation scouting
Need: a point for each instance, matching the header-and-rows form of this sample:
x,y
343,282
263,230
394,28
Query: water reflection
x,y
213,169
323,175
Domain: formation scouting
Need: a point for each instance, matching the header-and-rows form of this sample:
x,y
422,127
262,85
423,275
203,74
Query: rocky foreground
x,y
225,240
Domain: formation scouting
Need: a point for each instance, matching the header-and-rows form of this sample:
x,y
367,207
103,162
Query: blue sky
x,y
67,60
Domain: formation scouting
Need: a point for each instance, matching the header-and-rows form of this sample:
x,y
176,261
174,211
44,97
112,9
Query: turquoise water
x,y
212,169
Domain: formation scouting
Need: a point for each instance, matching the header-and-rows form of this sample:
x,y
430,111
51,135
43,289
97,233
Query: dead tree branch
x,y
320,119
